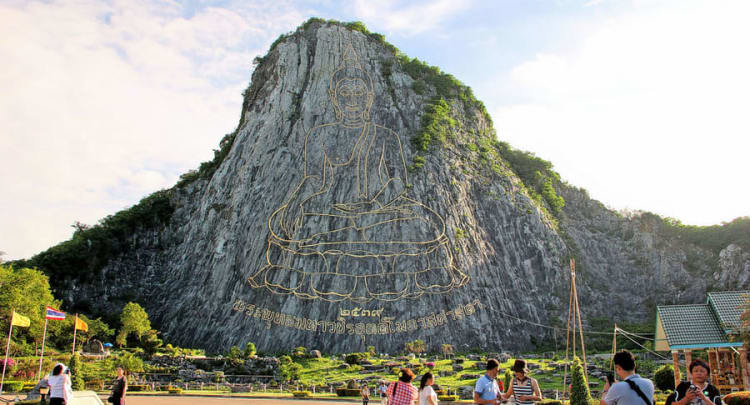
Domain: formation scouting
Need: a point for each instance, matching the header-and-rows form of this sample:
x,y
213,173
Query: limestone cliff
x,y
358,206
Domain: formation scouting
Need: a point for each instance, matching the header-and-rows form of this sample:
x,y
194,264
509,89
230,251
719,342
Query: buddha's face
x,y
352,97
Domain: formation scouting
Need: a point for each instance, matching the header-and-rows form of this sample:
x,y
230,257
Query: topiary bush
x,y
579,390
301,394
13,386
448,398
738,398
346,392
175,391
356,358
664,377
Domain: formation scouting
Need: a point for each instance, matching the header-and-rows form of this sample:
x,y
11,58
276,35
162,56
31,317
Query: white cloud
x,y
409,20
103,103
649,112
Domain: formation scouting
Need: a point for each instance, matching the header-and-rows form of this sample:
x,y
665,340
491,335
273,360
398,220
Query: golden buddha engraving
x,y
350,230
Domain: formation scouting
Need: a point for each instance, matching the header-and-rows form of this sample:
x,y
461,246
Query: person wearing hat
x,y
524,389
486,390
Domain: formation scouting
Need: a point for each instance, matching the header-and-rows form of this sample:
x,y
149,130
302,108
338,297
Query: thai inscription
x,y
384,326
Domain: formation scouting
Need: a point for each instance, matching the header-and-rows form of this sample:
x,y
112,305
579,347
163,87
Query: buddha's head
x,y
351,90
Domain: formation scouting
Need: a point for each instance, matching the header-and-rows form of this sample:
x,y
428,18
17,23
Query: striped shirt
x,y
525,389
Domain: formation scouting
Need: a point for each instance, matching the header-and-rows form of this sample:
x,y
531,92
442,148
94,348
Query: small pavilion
x,y
713,327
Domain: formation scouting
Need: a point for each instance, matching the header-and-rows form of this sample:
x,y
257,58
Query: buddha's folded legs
x,y
347,273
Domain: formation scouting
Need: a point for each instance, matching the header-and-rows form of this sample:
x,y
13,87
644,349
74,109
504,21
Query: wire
x,y
586,332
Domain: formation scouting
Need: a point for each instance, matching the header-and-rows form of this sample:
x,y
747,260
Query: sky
x,y
643,102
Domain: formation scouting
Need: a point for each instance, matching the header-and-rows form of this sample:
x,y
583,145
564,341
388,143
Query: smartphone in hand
x,y
610,378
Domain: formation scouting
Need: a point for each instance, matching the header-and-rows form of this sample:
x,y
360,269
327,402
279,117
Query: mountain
x,y
365,199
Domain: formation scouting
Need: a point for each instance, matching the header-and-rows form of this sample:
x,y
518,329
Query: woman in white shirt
x,y
427,396
60,387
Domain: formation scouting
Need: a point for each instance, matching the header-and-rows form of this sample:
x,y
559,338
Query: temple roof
x,y
689,327
728,306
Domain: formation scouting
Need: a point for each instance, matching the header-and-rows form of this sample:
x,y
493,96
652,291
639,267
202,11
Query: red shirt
x,y
405,393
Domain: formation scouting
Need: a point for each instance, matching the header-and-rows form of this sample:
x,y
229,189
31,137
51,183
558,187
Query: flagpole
x,y
75,323
12,311
39,376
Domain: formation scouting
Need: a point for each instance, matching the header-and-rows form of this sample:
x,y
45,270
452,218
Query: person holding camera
x,y
633,389
697,391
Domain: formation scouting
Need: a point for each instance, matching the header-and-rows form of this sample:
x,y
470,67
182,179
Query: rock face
x,y
319,228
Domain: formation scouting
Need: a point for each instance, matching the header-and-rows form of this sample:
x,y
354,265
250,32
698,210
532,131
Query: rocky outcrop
x,y
325,226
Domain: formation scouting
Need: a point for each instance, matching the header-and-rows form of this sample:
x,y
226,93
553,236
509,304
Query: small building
x,y
713,327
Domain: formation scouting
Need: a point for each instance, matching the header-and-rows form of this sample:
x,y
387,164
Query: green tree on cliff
x,y
134,320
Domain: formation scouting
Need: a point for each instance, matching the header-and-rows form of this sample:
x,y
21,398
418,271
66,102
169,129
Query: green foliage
x,y
356,358
664,377
536,173
175,390
448,398
250,350
301,394
415,346
91,247
713,237
299,352
76,372
134,319
130,363
371,350
436,125
150,342
288,369
207,169
28,292
12,386
419,162
579,391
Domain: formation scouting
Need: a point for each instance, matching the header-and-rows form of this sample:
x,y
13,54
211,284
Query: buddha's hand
x,y
358,207
292,219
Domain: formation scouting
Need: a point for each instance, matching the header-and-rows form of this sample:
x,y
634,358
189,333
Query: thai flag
x,y
52,313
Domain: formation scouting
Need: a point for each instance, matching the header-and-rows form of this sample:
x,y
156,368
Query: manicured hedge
x,y
13,386
448,398
346,392
738,398
301,394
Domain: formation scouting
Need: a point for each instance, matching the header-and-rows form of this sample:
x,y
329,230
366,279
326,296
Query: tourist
x,y
633,389
365,391
524,389
427,395
401,392
119,387
60,387
698,391
486,390
383,393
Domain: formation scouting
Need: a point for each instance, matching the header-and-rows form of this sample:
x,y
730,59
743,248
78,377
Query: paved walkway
x,y
152,400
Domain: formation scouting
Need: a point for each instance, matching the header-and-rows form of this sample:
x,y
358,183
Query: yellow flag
x,y
81,325
20,320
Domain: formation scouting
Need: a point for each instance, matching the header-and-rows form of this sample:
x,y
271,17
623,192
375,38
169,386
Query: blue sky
x,y
641,102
